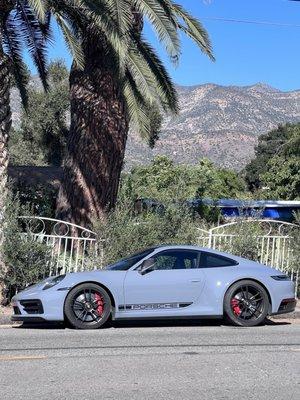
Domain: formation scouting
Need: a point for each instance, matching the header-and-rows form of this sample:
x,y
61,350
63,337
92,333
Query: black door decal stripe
x,y
153,306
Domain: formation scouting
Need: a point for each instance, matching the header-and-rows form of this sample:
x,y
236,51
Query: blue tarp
x,y
269,209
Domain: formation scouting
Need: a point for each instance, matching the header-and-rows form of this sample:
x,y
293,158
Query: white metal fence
x,y
273,243
73,248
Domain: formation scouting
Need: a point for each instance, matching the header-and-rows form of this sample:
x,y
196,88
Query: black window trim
x,y
233,263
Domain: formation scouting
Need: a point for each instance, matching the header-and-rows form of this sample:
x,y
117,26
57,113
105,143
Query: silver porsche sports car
x,y
161,282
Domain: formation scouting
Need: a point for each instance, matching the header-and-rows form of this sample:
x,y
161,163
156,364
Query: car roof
x,y
193,247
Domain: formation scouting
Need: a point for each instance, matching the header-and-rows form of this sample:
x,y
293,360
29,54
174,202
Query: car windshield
x,y
128,262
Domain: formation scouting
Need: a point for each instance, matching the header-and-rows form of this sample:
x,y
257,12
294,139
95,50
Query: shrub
x,y
26,260
38,197
245,242
124,232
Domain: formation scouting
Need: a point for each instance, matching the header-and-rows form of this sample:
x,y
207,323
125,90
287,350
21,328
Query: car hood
x,y
74,278
101,276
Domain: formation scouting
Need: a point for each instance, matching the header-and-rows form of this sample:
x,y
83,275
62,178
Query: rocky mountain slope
x,y
218,122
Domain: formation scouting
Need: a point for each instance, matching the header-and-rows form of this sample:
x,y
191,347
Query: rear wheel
x,y
246,303
87,306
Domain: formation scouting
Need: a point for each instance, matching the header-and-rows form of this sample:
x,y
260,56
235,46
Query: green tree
x,y
41,136
282,179
217,183
274,172
282,140
164,180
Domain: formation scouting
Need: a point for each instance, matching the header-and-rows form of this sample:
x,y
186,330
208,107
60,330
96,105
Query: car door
x,y
172,285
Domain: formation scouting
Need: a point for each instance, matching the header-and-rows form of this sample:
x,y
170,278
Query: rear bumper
x,y
286,306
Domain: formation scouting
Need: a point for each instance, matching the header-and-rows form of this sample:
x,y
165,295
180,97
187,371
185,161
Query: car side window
x,y
209,260
176,259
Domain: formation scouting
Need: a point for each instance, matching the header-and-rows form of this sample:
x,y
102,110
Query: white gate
x,y
69,252
270,242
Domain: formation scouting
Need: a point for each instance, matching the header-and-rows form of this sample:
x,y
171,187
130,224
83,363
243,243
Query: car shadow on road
x,y
151,324
183,323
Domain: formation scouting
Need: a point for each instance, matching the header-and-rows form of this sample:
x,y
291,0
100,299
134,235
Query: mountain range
x,y
219,122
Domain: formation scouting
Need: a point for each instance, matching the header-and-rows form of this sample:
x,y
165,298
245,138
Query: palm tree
x,y
122,78
26,24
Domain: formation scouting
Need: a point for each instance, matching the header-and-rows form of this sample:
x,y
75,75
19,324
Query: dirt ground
x,y
5,310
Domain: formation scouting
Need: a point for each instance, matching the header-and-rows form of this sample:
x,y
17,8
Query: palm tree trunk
x,y
96,141
5,124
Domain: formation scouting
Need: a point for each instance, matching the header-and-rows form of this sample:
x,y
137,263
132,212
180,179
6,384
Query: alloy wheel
x,y
88,305
247,303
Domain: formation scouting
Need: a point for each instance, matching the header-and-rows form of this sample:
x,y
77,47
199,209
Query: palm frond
x,y
136,107
104,21
194,30
13,45
141,75
164,26
73,13
164,85
46,29
40,9
76,15
121,13
30,31
168,8
72,42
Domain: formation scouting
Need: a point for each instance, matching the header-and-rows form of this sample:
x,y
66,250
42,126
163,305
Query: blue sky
x,y
245,53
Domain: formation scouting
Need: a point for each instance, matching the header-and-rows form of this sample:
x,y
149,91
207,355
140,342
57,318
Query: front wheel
x,y
87,306
246,303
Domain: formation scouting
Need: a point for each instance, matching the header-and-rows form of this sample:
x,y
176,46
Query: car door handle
x,y
195,280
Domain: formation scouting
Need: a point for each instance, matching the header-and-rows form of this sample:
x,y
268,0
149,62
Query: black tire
x,y
87,306
246,303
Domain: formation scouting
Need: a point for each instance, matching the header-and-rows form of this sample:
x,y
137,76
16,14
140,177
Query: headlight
x,y
281,278
53,281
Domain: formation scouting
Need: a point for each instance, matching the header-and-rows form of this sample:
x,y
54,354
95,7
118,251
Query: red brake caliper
x,y
100,305
235,306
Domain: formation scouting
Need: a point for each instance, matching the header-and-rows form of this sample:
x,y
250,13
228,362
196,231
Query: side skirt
x,y
169,317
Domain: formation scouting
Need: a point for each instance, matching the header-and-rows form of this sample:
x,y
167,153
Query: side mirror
x,y
147,266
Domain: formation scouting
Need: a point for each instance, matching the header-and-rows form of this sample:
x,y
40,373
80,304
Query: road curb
x,y
5,320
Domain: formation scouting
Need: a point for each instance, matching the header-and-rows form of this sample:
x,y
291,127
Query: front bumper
x,y
37,305
30,308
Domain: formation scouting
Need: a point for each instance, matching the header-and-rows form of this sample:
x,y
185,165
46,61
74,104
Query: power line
x,y
241,21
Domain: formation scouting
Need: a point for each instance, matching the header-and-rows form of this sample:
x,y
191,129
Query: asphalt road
x,y
151,361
